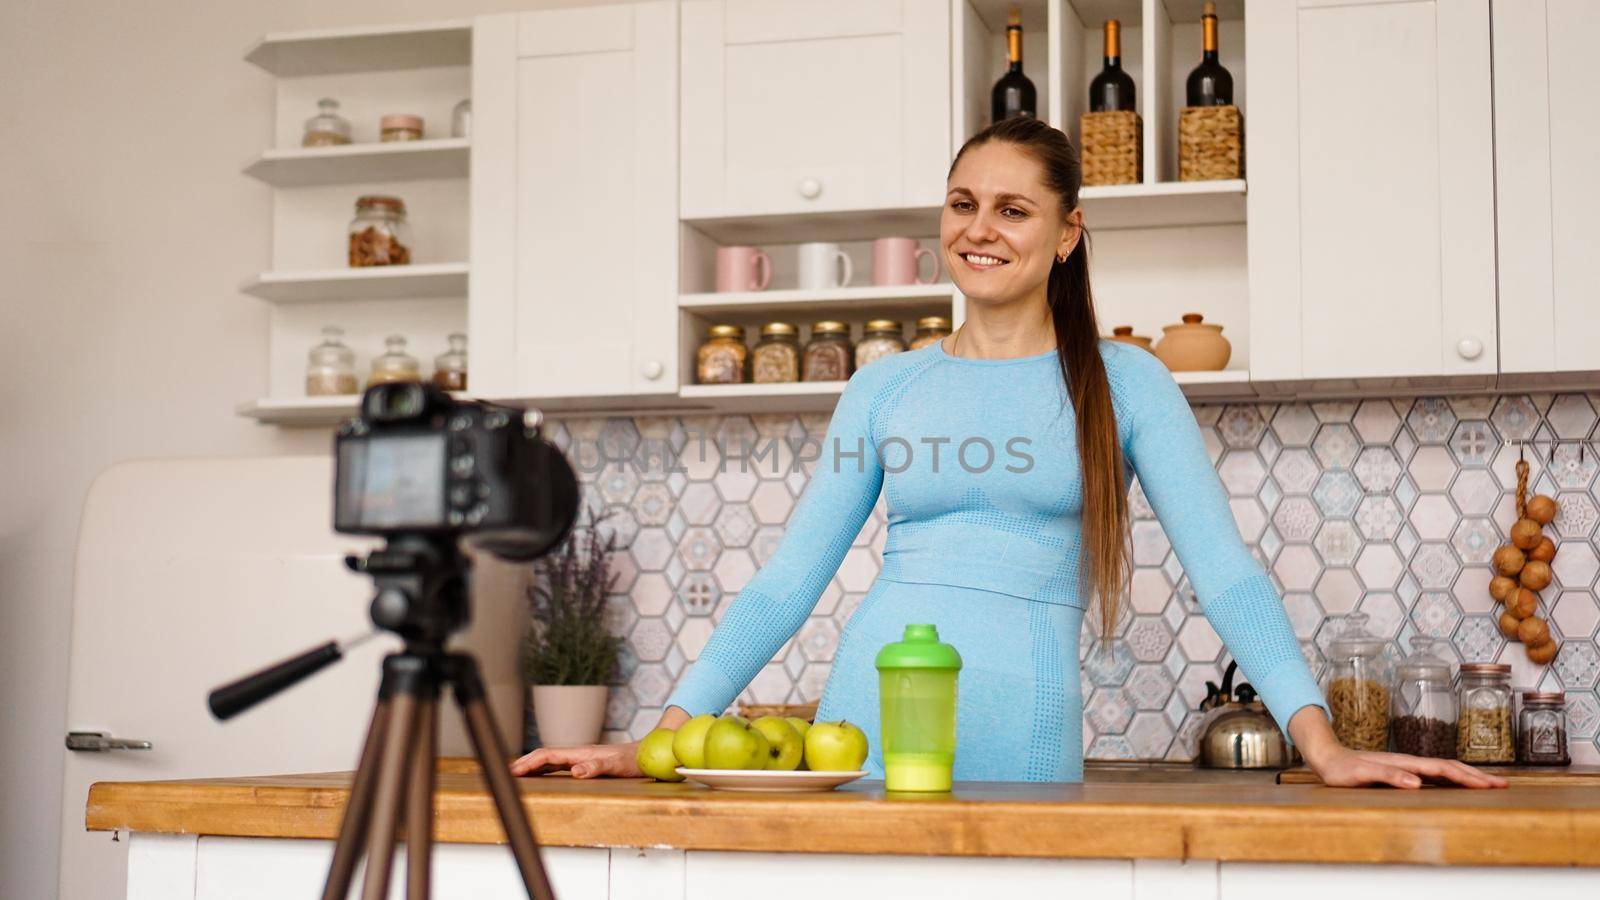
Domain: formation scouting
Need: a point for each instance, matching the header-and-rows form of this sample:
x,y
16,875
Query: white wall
x,y
125,227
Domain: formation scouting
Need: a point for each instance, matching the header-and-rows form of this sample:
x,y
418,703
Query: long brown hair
x,y
1106,560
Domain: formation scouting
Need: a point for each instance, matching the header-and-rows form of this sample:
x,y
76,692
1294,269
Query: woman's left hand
x,y
1342,767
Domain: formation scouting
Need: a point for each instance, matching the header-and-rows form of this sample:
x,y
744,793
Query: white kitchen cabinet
x,y
814,105
574,211
1371,203
1546,129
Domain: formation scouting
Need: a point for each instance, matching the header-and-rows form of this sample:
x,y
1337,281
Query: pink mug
x,y
742,269
895,260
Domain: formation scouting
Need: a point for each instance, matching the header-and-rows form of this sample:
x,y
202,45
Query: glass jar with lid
x,y
880,338
828,354
400,127
331,369
776,358
1358,684
1484,733
1423,720
1542,729
395,364
930,330
722,359
450,367
461,119
379,235
327,128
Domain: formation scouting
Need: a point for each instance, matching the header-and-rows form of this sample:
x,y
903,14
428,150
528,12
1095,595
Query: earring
x,y
1061,258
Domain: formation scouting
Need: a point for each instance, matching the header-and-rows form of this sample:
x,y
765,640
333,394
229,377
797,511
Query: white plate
x,y
771,781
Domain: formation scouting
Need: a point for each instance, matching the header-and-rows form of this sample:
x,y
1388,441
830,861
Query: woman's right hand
x,y
585,761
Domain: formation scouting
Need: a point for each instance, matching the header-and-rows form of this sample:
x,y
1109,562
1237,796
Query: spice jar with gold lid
x,y
776,358
1359,681
1542,729
400,127
930,330
395,364
828,354
1485,731
880,338
450,367
722,358
379,235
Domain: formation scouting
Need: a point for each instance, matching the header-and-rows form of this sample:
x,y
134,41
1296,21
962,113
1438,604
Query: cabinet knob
x,y
1470,348
810,188
652,369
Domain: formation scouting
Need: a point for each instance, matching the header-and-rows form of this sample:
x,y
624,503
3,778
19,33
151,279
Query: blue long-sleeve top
x,y
978,463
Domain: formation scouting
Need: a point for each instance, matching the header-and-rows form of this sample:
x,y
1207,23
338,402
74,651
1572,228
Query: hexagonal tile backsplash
x,y
1388,506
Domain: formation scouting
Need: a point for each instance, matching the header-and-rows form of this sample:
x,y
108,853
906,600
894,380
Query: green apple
x,y
802,726
732,744
836,747
784,744
655,756
690,744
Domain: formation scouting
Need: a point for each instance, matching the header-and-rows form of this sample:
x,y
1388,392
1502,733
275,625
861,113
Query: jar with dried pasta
x,y
776,358
880,338
1358,684
930,330
721,359
379,235
1485,732
828,354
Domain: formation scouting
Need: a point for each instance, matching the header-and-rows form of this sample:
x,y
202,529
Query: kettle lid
x,y
919,648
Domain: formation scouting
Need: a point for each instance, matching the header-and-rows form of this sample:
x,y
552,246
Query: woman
x,y
1004,454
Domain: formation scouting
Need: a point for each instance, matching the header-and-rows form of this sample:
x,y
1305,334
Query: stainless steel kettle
x,y
1239,733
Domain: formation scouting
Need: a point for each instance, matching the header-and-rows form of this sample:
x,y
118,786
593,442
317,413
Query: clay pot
x,y
1124,333
1194,346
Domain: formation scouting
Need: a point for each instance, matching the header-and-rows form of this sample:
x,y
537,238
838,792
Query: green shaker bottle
x,y
917,710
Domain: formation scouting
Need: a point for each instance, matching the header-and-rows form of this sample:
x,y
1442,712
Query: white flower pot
x,y
569,714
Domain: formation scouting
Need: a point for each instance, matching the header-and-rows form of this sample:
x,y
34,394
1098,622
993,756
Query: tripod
x,y
422,596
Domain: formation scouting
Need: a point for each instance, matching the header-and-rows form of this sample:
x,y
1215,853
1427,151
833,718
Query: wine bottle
x,y
1112,89
1013,94
1210,84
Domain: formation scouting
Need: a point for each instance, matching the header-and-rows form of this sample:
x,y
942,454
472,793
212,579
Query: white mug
x,y
820,266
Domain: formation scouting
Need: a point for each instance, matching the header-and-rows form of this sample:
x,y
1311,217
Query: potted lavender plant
x,y
569,655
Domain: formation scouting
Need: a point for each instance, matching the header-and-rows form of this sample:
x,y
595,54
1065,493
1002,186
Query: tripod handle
x,y
236,697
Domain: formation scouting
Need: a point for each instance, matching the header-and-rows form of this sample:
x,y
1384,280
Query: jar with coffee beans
x,y
1423,720
1542,729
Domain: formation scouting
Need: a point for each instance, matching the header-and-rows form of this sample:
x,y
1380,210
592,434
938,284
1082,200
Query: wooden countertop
x,y
1129,812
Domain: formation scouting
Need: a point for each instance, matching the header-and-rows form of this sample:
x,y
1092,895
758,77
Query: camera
x,y
417,462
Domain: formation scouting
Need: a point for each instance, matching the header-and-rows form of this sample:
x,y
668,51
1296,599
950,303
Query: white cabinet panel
x,y
802,876
793,106
1546,129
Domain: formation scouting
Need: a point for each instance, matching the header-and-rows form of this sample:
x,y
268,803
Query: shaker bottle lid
x,y
919,649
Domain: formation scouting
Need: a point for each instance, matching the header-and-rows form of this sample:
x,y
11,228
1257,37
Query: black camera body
x,y
416,462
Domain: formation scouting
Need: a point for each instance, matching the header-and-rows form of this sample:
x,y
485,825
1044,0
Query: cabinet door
x,y
1547,127
574,207
1371,189
801,105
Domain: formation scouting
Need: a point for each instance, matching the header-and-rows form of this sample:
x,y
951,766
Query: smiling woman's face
x,y
1002,228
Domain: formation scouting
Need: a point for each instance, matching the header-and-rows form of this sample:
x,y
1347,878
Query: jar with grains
x,y
1542,729
1484,733
327,128
828,356
776,358
930,329
400,127
1423,720
331,369
379,235
1359,681
450,367
722,358
880,338
394,365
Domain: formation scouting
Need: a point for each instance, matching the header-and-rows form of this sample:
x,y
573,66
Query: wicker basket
x,y
1210,143
1113,147
807,711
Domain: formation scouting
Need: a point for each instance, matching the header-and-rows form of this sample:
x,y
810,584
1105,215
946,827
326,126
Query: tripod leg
x,y
390,786
419,800
357,809
486,742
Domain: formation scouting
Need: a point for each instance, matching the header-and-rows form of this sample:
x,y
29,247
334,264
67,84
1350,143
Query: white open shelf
x,y
368,283
349,163
334,51
308,410
793,228
869,300
1164,204
804,396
